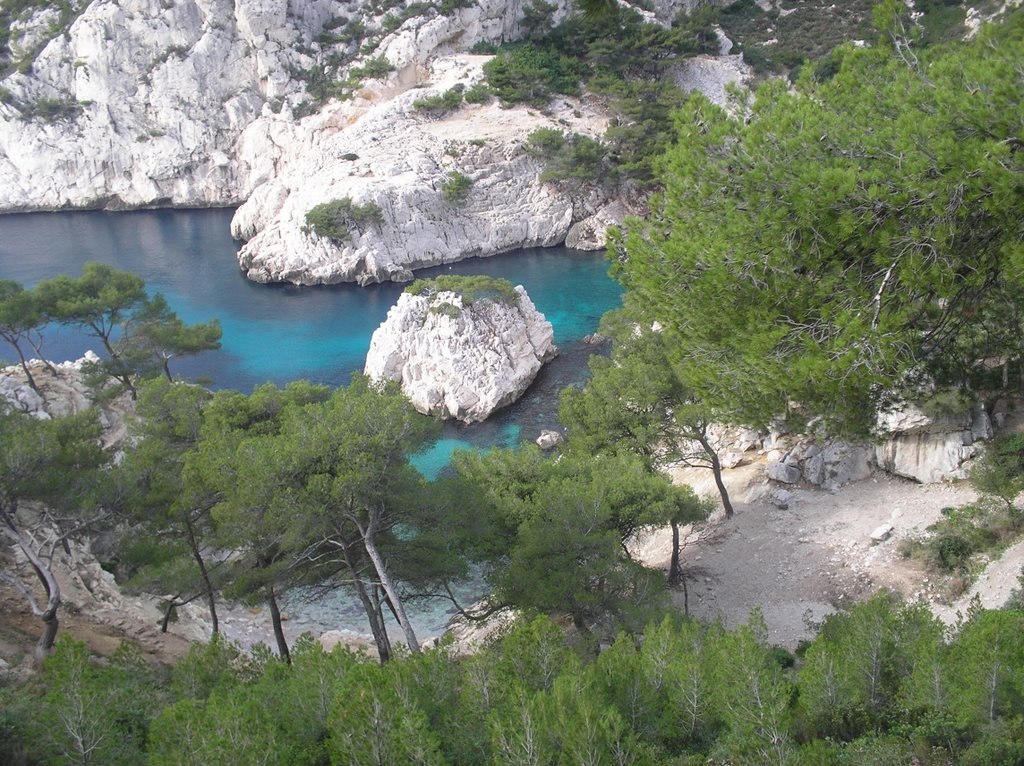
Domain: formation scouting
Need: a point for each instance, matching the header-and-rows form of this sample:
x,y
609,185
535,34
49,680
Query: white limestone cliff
x,y
382,151
141,103
929,449
464,359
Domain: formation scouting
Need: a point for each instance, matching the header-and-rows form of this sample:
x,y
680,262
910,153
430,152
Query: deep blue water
x,y
280,333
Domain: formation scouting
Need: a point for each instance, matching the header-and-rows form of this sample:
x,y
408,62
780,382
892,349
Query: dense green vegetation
x,y
618,57
845,243
336,219
469,288
881,684
570,160
828,250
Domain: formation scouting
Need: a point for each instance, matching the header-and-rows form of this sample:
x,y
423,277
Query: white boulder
x,y
462,358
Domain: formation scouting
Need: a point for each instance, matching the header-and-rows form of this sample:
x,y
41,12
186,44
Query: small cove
x,y
279,333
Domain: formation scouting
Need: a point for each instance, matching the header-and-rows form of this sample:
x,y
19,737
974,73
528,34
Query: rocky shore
x,y
130,103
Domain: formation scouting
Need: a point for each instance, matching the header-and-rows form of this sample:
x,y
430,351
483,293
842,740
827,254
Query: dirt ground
x,y
803,561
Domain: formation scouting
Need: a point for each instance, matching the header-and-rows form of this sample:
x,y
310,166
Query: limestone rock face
x,y
380,150
63,391
148,103
144,102
930,449
464,360
155,95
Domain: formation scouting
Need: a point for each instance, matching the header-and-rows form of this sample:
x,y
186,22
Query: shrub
x,y
479,93
999,473
447,309
530,75
455,188
440,103
448,7
952,552
53,109
335,220
373,69
571,160
469,288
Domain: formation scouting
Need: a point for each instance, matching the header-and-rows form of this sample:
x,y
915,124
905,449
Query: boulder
x,y
784,472
21,397
464,358
549,439
834,465
592,233
882,533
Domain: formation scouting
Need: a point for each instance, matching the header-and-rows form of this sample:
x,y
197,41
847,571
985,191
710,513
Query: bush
x,y
469,288
373,69
335,220
441,103
571,160
952,552
530,75
455,188
52,109
999,472
479,93
448,7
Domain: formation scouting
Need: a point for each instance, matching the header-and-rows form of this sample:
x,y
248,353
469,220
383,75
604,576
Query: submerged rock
x,y
463,355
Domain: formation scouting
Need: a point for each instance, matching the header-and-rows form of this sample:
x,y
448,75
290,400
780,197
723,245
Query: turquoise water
x,y
280,333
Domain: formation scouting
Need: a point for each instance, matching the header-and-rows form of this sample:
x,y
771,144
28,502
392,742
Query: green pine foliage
x,y
570,160
881,683
617,56
844,239
455,188
469,288
442,103
335,220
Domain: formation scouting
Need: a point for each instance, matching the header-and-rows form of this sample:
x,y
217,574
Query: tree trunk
x,y
38,348
211,599
167,615
373,615
686,594
673,565
48,614
275,618
24,366
44,647
389,588
716,469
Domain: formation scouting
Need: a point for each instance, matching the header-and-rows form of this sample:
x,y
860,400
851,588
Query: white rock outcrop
x,y
380,150
63,391
462,359
141,103
133,103
927,448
